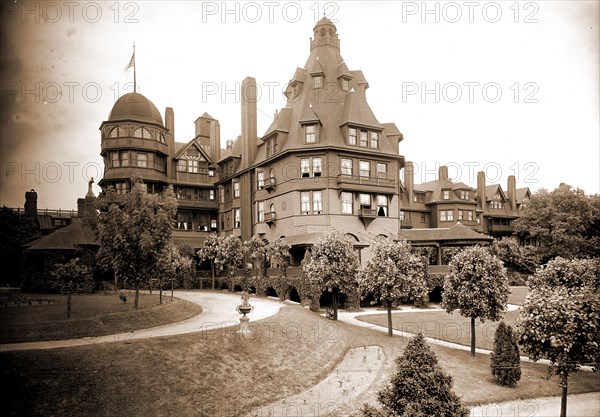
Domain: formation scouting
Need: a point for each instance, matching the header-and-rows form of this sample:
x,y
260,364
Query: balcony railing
x,y
196,203
500,228
270,217
270,184
371,181
406,224
367,213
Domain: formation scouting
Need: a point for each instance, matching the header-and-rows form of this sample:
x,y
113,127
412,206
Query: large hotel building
x,y
326,162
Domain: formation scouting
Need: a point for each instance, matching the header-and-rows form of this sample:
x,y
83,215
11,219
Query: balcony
x,y
270,184
500,228
366,184
270,218
367,213
406,224
133,143
469,222
196,203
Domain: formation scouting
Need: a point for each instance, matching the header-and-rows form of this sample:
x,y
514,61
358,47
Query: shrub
x,y
419,388
505,361
123,296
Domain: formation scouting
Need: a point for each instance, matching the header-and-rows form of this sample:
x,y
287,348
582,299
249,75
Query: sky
x,y
507,87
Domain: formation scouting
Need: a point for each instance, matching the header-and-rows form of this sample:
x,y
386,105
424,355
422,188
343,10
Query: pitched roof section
x,y
358,112
186,146
70,237
308,115
456,233
522,194
491,190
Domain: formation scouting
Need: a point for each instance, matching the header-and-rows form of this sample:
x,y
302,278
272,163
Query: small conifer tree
x,y
420,387
505,362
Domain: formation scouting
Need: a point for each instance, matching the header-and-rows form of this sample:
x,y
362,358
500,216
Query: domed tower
x,y
135,138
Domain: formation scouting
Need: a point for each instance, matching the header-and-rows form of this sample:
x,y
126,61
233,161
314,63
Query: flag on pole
x,y
131,62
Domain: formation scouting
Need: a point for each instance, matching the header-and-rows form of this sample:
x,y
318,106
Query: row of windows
x,y
464,194
125,159
195,193
318,82
448,215
496,204
405,215
140,132
194,167
311,202
365,138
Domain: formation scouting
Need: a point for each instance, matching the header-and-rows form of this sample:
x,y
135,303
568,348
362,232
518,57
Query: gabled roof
x,y
522,194
299,75
462,186
343,70
186,146
188,238
357,111
491,190
280,123
316,68
456,233
308,115
70,237
234,152
359,77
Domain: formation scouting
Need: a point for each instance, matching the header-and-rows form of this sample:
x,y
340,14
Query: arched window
x,y
116,132
142,132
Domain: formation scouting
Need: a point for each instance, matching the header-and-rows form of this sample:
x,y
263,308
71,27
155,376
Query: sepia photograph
x,y
300,208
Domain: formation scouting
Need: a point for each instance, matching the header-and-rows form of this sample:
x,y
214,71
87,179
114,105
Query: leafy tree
x,y
477,286
420,387
174,267
519,258
333,266
230,255
133,231
564,222
75,272
210,250
393,274
560,320
279,252
258,251
15,230
505,361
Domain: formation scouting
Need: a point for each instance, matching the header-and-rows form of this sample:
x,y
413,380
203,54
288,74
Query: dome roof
x,y
134,106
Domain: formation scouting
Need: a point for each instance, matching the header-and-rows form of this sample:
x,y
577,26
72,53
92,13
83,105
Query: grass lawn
x,y
91,315
218,373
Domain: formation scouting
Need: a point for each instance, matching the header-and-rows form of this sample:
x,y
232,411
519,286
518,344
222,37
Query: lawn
x,y
218,373
91,315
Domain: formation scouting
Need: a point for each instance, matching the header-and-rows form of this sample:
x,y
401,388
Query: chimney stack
x,y
31,204
249,127
215,141
170,137
481,202
409,181
443,173
512,192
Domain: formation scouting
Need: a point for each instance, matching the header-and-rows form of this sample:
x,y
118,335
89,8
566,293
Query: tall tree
x,y
133,230
393,274
15,230
209,250
560,320
230,255
505,360
477,286
258,251
564,222
420,387
333,266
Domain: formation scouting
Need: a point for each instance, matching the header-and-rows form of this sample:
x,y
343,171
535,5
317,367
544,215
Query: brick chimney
x,y
249,127
215,141
409,181
512,192
481,203
170,137
31,204
443,173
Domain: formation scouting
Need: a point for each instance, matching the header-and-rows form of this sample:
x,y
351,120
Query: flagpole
x,y
134,78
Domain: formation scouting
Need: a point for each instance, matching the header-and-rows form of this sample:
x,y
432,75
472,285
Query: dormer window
x,y
446,195
352,136
317,81
211,172
363,138
374,139
142,132
345,84
464,195
310,133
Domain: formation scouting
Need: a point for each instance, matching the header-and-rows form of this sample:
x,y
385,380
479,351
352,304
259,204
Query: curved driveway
x,y
218,311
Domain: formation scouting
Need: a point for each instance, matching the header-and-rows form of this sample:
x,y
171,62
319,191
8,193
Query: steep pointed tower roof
x,y
326,92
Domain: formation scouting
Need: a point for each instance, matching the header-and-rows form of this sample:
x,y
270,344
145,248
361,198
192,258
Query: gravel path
x,y
218,311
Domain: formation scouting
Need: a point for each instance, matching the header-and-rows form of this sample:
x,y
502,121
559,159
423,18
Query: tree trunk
x,y
116,282
335,305
212,273
171,289
137,296
472,336
563,399
160,295
389,314
150,282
